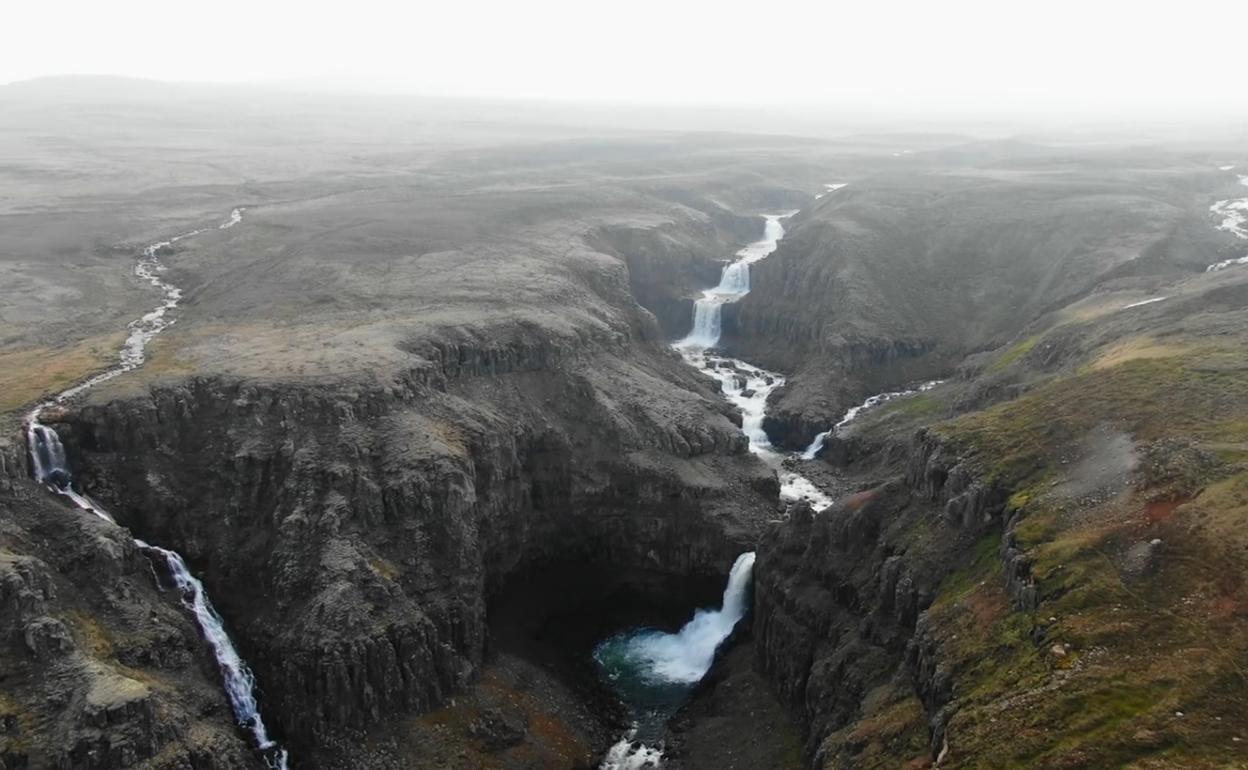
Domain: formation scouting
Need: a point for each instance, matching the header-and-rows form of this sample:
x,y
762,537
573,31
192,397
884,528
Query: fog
x,y
972,58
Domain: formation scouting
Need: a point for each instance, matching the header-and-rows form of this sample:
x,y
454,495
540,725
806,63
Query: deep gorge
x,y
357,538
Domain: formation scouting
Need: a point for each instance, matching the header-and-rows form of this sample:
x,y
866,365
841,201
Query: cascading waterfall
x,y
734,283
816,446
745,385
654,671
1234,214
50,467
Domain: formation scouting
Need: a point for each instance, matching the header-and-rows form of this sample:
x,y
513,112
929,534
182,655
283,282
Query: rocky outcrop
x,y
101,667
840,597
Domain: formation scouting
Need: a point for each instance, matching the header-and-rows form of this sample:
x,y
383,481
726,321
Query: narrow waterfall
x,y
816,446
655,671
50,466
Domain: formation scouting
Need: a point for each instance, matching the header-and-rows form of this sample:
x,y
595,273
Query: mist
x,y
971,59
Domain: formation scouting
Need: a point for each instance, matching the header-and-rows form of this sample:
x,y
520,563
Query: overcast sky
x,y
998,54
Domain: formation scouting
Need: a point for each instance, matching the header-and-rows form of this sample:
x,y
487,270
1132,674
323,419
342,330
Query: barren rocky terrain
x,y
418,428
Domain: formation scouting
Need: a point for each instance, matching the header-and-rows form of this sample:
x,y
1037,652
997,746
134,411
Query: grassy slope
x,y
1137,655
1153,670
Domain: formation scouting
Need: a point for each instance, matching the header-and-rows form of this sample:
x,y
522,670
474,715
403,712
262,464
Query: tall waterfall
x,y
655,671
50,466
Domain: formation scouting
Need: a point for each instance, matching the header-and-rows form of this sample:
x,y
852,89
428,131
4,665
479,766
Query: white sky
x,y
1088,54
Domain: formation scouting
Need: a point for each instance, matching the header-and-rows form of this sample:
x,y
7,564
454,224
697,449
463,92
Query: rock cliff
x,y
840,596
352,534
102,669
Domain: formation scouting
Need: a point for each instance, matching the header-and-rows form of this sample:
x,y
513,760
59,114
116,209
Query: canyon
x,y
431,420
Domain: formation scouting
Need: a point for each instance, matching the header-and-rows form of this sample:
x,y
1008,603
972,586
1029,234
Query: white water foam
x,y
685,656
627,754
830,188
744,385
816,446
682,658
747,387
1148,301
734,283
1234,215
50,467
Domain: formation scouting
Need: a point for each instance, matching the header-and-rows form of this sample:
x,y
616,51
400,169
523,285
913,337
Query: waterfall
x,y
47,456
685,656
745,386
734,283
816,446
655,671
49,466
830,188
239,682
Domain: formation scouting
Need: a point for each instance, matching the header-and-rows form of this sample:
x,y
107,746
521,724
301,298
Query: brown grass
x,y
1137,348
27,374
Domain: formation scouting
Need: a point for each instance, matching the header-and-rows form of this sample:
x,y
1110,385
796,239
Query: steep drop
x,y
50,467
655,671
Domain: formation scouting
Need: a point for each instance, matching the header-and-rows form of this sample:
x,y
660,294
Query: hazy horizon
x,y
969,59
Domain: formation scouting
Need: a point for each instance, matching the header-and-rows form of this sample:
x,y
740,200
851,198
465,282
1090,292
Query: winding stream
x,y
50,467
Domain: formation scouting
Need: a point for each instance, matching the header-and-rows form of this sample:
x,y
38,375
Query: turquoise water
x,y
655,671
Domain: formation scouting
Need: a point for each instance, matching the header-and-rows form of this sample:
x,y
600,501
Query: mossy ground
x,y
1014,354
1137,655
892,731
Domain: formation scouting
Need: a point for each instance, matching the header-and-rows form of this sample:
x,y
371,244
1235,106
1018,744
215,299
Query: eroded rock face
x,y
100,669
351,533
840,597
671,264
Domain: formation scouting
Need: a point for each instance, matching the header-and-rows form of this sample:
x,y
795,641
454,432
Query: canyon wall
x,y
352,534
840,596
102,668
897,277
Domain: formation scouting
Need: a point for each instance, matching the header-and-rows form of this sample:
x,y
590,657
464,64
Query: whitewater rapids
x,y
744,385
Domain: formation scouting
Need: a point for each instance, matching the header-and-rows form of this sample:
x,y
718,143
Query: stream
x,y
50,467
654,672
